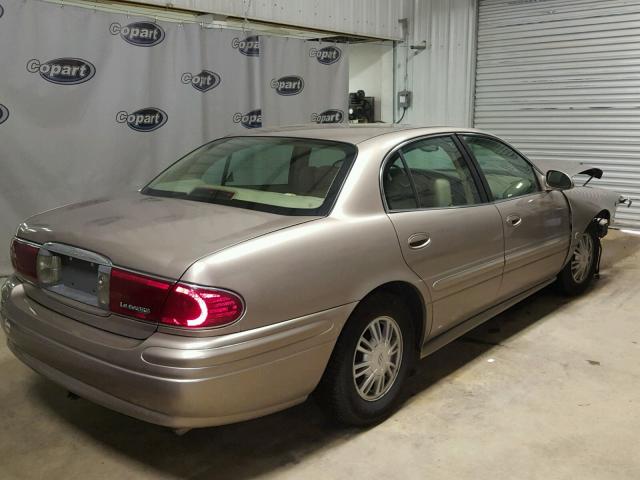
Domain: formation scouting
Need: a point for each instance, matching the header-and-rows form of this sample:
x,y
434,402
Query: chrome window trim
x,y
428,209
510,199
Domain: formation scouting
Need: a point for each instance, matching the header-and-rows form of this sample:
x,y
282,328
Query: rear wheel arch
x,y
410,296
338,390
413,299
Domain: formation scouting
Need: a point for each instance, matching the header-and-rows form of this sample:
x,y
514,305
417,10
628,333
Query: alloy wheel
x,y
582,258
377,359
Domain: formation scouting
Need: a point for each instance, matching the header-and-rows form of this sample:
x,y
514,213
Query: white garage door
x,y
561,80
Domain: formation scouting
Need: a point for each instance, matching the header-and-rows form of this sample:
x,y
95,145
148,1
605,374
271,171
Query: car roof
x,y
355,133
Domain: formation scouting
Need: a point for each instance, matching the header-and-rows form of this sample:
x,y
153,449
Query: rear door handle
x,y
418,240
514,220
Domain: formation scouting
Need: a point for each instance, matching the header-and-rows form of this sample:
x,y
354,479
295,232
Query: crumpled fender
x,y
586,204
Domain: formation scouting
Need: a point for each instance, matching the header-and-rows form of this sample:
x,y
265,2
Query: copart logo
x,y
249,46
252,119
326,55
203,81
140,34
289,85
143,120
4,114
328,116
63,71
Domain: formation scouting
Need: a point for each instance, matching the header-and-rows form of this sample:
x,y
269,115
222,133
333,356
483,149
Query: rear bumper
x,y
170,380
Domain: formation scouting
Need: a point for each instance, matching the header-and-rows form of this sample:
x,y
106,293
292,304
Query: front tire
x,y
370,362
577,274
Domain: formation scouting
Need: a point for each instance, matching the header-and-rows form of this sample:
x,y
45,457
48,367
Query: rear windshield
x,y
289,176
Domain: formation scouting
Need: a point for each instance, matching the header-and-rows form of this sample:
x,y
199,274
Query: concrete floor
x,y
549,389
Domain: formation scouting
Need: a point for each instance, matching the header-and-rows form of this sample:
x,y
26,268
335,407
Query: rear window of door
x,y
398,192
436,175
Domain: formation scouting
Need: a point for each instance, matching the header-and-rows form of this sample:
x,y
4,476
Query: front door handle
x,y
419,240
513,220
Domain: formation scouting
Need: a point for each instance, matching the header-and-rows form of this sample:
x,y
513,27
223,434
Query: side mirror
x,y
557,180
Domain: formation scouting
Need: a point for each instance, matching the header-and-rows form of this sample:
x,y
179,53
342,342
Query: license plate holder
x,y
81,274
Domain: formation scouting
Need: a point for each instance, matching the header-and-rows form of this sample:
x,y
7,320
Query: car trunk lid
x,y
153,235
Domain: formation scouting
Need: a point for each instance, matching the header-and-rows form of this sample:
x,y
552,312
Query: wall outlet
x,y
404,99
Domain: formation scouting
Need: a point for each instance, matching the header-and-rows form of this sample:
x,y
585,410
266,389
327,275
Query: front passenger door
x,y
536,223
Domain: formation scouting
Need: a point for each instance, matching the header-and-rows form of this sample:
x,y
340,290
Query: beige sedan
x,y
261,268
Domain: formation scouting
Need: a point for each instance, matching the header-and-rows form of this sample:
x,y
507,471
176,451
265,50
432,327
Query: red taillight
x,y
197,307
24,258
178,305
137,295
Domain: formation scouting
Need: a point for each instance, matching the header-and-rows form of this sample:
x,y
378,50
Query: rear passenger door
x,y
449,233
536,222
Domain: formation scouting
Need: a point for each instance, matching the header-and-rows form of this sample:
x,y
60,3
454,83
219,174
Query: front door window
x,y
507,173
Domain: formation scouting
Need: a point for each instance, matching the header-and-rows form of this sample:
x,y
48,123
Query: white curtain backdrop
x,y
323,71
94,103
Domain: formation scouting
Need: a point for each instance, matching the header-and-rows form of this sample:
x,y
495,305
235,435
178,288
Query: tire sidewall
x,y
373,411
569,285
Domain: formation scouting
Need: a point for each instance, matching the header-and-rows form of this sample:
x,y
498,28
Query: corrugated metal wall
x,y
441,77
372,18
561,80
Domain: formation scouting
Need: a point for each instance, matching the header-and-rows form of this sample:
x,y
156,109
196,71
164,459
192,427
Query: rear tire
x,y
360,385
577,274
